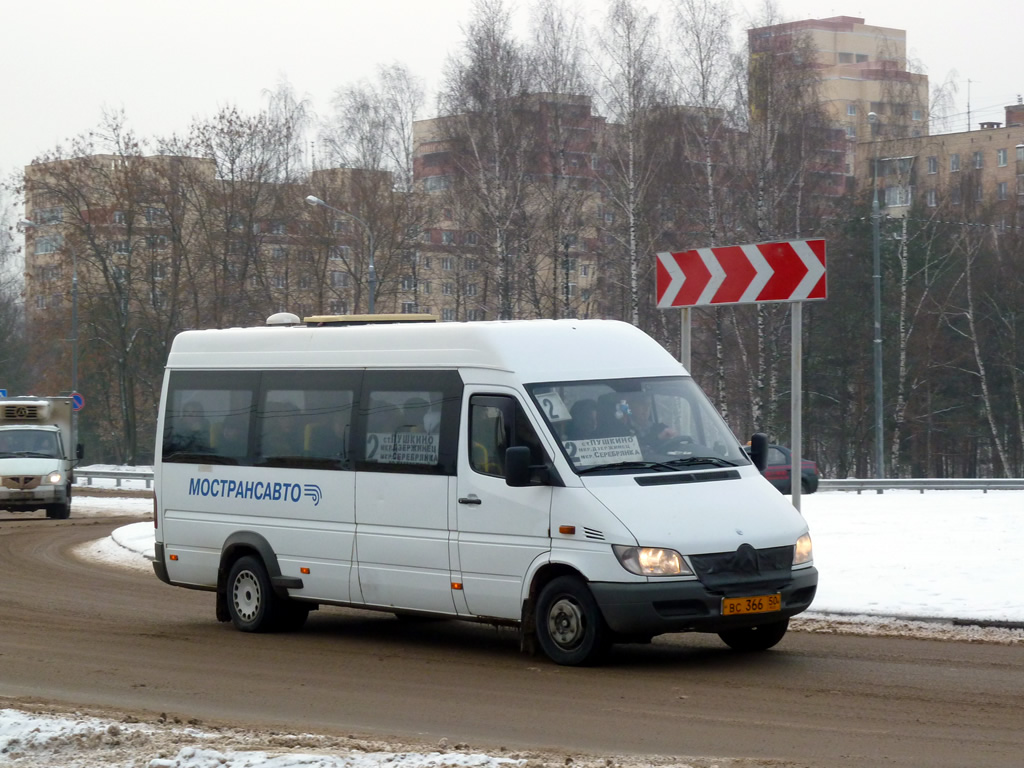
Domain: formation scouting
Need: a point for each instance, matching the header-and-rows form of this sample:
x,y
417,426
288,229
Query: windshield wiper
x,y
690,461
626,465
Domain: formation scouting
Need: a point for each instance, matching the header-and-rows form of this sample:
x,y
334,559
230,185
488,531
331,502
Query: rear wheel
x,y
759,638
250,596
570,628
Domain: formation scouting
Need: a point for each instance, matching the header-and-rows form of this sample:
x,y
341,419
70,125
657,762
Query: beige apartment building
x,y
863,71
976,172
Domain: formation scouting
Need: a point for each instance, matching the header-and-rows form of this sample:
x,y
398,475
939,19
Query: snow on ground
x,y
942,565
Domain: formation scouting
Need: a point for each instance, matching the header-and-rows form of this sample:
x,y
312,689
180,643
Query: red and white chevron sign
x,y
742,274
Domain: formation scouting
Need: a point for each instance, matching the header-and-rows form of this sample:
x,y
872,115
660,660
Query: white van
x,y
567,477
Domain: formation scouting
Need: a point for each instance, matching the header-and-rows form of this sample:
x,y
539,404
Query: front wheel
x,y
759,638
570,628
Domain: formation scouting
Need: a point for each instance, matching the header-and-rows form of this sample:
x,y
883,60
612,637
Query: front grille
x,y
21,482
744,566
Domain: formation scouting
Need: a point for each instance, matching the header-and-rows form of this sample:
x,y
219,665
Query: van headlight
x,y
803,552
651,561
54,477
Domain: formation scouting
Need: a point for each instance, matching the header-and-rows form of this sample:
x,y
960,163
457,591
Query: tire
x,y
805,487
570,628
58,511
252,604
759,638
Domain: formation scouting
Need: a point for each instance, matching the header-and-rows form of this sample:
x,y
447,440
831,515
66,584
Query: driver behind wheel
x,y
648,432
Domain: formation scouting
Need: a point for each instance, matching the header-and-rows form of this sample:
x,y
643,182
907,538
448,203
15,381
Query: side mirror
x,y
517,466
759,451
79,451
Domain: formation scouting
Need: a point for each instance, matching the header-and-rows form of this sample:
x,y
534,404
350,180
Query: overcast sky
x,y
64,61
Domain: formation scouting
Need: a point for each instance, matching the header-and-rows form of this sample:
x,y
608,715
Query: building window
x,y
979,159
447,237
447,289
471,238
448,315
337,307
339,279
1002,190
279,252
423,286
584,270
1020,153
954,163
978,193
851,109
408,282
119,218
340,252
861,58
470,289
933,164
305,282
156,216
278,228
446,263
851,132
469,264
931,198
156,242
341,226
916,115
954,196
49,244
48,215
1001,158
475,314
845,58
121,246
408,307
437,183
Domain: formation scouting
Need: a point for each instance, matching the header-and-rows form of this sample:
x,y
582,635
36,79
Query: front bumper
x,y
655,608
33,498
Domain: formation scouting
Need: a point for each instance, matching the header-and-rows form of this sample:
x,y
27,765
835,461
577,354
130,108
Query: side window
x,y
775,456
496,423
208,416
410,421
304,418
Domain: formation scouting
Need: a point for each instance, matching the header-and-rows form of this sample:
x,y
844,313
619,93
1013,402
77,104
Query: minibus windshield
x,y
660,424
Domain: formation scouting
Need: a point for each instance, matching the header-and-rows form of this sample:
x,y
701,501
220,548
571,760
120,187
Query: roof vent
x,y
283,318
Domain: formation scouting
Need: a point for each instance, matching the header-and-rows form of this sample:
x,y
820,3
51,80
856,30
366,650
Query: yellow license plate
x,y
737,606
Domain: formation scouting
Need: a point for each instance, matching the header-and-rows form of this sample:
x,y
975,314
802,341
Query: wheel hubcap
x,y
246,596
565,623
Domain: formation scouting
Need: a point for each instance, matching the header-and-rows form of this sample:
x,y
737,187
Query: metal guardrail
x,y
86,476
922,484
857,485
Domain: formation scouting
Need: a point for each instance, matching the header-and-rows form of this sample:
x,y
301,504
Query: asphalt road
x,y
83,634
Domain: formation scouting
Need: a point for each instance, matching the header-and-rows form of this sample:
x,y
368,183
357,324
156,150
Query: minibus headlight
x,y
54,478
803,552
651,561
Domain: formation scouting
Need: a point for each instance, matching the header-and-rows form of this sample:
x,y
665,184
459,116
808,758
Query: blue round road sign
x,y
77,401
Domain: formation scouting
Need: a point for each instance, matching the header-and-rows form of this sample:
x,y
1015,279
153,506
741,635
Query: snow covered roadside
x,y
47,739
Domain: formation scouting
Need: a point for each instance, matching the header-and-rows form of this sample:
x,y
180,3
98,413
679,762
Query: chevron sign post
x,y
793,270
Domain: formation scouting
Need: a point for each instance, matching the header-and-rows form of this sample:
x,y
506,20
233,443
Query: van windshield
x,y
636,425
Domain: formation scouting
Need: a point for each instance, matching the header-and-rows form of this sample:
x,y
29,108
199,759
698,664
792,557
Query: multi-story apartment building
x,y
863,70
979,171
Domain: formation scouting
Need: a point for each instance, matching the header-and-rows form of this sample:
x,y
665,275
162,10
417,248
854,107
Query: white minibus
x,y
566,477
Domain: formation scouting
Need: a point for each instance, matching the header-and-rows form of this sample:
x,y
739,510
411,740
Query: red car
x,y
777,472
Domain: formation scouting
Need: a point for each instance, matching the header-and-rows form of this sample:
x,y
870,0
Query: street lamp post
x,y
876,277
313,200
